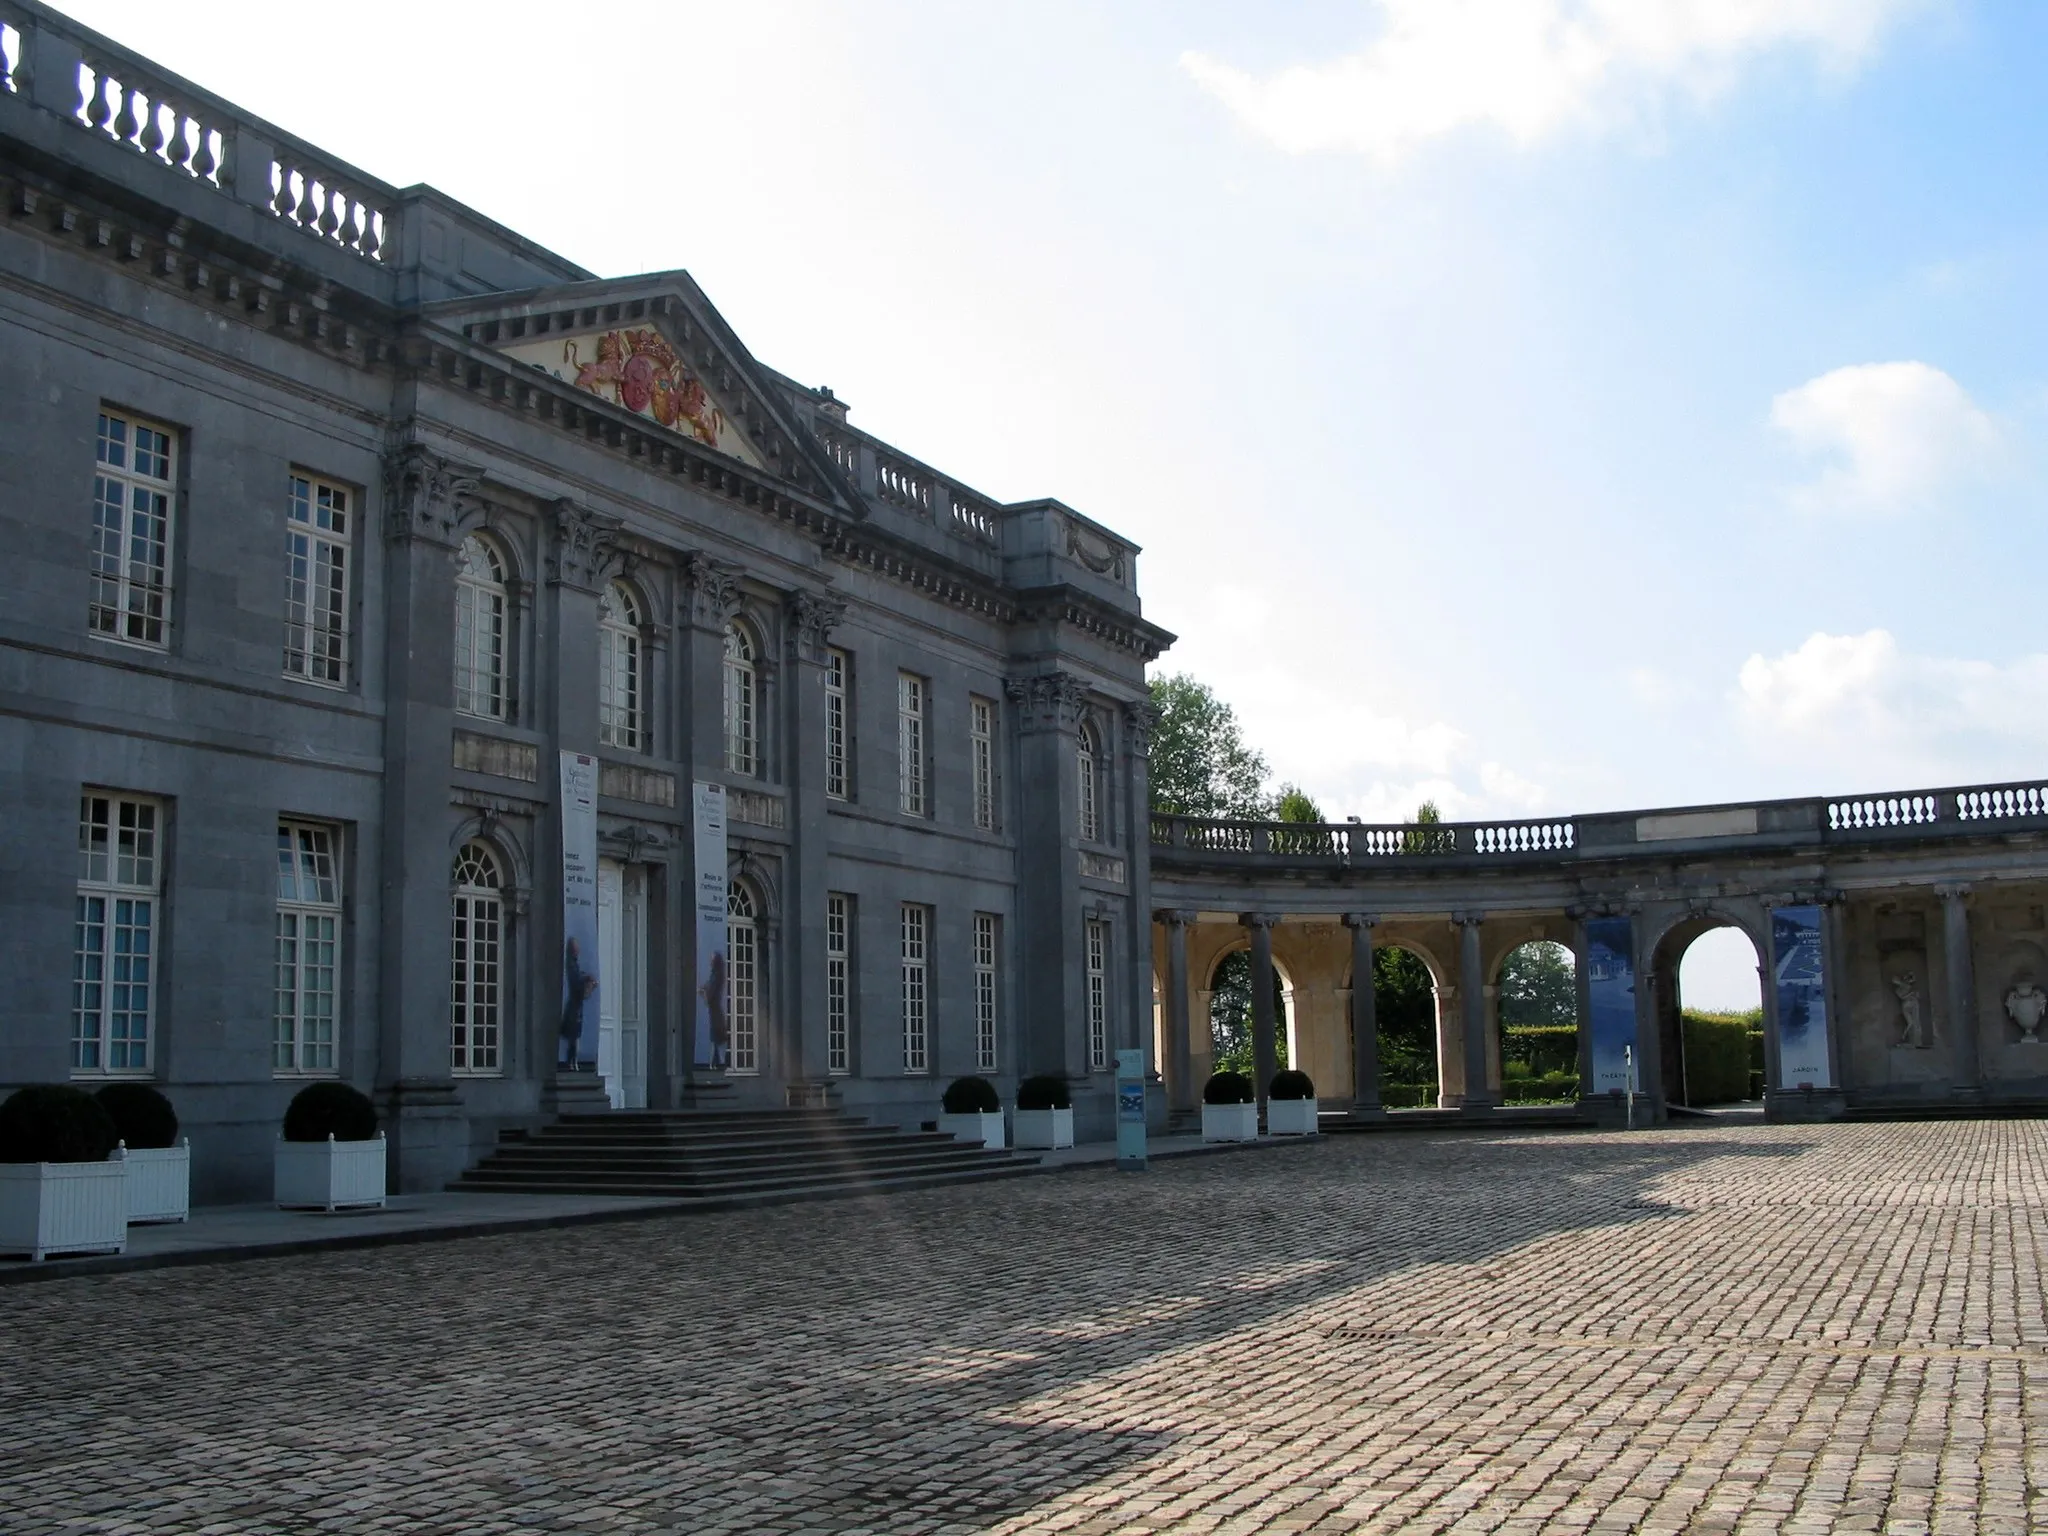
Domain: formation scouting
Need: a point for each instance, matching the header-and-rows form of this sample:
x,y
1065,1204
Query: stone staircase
x,y
728,1155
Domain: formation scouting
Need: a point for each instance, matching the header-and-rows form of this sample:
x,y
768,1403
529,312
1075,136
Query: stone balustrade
x,y
1778,823
74,73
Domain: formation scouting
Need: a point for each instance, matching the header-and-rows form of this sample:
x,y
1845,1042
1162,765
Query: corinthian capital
x,y
1046,700
582,547
425,496
812,618
711,591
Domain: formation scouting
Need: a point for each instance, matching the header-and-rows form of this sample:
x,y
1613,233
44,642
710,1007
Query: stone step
x,y
815,1188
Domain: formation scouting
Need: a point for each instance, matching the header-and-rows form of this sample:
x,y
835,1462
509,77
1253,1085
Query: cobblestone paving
x,y
1739,1329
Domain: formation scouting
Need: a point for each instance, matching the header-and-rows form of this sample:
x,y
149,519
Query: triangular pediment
x,y
637,366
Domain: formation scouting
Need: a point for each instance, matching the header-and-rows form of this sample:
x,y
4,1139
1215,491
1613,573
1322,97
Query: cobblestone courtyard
x,y
1743,1329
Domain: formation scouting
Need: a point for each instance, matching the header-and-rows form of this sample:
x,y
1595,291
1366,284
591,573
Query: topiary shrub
x,y
143,1117
1227,1088
1291,1084
320,1110
971,1096
1044,1093
55,1123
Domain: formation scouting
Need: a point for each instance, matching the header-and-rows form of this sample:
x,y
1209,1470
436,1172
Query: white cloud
x,y
1529,67
1893,435
1860,706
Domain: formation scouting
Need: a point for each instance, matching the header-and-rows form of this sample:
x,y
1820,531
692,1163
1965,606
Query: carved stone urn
x,y
2026,1004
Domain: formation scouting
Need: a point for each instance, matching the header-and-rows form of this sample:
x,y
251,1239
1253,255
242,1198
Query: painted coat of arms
x,y
641,371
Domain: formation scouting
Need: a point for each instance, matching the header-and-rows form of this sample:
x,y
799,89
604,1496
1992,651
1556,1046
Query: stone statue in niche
x,y
2025,1005
1912,1018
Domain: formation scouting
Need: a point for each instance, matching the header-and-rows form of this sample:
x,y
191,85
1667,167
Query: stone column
x,y
1961,966
1265,1057
1139,718
425,500
1479,1093
808,626
1835,975
1180,1070
1365,1028
1051,970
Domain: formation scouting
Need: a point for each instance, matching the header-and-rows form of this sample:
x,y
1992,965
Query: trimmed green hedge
x,y
1545,1049
1550,1088
1723,1052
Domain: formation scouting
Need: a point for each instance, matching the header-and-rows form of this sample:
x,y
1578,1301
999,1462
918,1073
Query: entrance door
x,y
622,982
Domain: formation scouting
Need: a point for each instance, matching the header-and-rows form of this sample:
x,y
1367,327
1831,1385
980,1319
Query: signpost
x,y
1130,1111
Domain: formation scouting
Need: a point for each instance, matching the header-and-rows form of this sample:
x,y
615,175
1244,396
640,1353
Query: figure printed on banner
x,y
578,988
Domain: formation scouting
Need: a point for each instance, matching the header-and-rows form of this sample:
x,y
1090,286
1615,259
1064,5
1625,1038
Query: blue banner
x,y
1801,981
1130,1109
576,1038
1611,999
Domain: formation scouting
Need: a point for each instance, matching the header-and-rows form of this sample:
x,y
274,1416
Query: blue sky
x,y
1537,405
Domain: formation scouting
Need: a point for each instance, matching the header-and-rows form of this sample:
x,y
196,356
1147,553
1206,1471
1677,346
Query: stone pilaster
x,y
1479,1093
809,618
1960,965
1139,719
1052,1008
1365,1028
1265,1048
1179,1065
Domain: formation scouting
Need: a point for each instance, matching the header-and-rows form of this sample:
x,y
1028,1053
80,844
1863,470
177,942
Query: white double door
x,y
622,982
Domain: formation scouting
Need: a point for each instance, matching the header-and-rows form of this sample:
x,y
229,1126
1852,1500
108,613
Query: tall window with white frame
x,y
308,954
984,992
838,983
134,498
743,977
480,631
114,937
318,530
838,738
916,988
477,963
1097,945
982,727
620,690
742,700
912,782
1089,758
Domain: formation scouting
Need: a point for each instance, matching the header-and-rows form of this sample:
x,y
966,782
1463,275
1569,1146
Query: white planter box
x,y
1230,1122
984,1128
1290,1117
48,1208
1041,1130
330,1175
159,1182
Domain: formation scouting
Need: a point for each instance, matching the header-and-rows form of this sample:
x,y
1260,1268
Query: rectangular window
x,y
910,772
114,941
132,503
916,989
983,725
1098,995
317,534
308,949
838,978
837,666
984,992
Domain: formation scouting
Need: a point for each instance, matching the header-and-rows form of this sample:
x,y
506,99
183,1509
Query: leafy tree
x,y
1418,841
1230,1015
1404,1005
1427,815
1295,805
1200,763
1538,987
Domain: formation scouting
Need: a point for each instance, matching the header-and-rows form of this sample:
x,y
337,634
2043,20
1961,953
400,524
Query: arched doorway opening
x,y
1230,1014
1707,988
1537,989
1404,998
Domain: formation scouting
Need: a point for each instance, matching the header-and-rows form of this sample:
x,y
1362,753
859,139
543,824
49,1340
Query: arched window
x,y
477,962
619,712
743,977
742,742
1091,786
480,631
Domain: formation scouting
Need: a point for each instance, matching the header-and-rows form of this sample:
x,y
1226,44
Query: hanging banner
x,y
1801,981
576,1041
707,802
1611,996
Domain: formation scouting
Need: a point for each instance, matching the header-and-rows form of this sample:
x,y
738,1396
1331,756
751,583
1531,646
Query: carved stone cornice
x,y
425,496
711,592
1141,719
583,547
1046,701
812,618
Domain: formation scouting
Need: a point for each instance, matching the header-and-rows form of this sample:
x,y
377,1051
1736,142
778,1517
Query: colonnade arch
x,y
1538,1021
1676,1080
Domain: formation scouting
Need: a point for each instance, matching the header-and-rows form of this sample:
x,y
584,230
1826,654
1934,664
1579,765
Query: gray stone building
x,y
337,515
